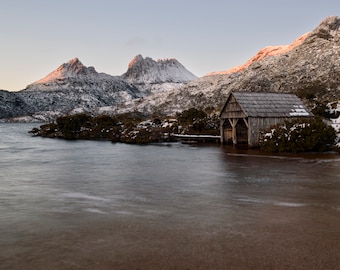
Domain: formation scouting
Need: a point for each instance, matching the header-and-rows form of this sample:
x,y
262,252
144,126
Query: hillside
x,y
267,51
311,68
12,104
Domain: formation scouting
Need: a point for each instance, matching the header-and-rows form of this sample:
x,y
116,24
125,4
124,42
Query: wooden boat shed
x,y
245,114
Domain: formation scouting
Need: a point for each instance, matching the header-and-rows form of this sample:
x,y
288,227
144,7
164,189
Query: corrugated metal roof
x,y
262,104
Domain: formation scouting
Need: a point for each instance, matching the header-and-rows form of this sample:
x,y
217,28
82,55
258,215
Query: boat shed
x,y
246,114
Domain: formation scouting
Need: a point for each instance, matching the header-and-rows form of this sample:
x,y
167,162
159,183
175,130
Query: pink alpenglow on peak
x,y
135,60
265,52
72,68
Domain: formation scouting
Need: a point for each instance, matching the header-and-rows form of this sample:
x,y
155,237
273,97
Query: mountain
x,y
152,76
71,72
310,68
75,87
148,71
74,76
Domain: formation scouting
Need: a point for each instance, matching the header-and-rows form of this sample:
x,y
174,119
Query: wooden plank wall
x,y
258,124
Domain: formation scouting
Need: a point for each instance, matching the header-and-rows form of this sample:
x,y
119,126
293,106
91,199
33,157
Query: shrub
x,y
188,117
105,127
311,91
299,135
71,125
83,126
194,121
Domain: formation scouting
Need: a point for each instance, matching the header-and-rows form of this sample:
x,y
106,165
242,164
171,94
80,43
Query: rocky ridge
x,y
313,67
148,71
152,76
267,51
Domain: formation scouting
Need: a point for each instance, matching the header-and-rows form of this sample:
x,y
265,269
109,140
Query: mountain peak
x,y
137,59
328,29
146,70
74,66
71,69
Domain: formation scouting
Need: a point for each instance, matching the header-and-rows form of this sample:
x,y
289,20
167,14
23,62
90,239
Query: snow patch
x,y
299,110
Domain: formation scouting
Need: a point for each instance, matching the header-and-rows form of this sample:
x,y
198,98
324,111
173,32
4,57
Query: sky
x,y
37,36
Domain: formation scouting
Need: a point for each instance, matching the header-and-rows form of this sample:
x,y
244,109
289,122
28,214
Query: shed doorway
x,y
241,132
228,132
235,131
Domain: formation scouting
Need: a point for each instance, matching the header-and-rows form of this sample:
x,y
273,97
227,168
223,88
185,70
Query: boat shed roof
x,y
263,104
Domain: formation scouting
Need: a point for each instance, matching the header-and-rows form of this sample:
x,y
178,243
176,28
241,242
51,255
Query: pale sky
x,y
37,36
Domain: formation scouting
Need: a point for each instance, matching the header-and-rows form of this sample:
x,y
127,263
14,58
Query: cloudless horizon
x,y
38,36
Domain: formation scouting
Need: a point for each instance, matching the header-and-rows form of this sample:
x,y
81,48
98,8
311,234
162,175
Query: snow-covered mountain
x,y
148,71
152,76
75,87
70,75
74,76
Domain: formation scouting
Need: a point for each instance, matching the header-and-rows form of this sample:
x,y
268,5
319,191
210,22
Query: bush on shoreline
x,y
299,135
81,126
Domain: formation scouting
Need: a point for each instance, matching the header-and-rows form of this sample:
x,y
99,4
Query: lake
x,y
99,205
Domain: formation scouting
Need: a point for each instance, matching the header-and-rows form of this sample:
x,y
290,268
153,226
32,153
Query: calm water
x,y
98,205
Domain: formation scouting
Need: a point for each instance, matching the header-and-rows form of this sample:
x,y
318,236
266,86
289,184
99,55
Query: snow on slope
x,y
265,52
148,71
11,104
68,75
72,86
158,76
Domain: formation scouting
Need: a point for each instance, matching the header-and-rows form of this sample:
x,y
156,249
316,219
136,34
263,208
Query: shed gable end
x,y
232,109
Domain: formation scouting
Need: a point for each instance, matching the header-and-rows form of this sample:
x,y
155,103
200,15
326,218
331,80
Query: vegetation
x,y
130,127
324,110
299,135
194,121
83,126
307,93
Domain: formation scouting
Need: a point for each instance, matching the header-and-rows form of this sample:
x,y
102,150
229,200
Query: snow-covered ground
x,y
334,107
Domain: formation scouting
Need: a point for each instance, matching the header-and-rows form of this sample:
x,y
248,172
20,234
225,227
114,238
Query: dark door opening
x,y
241,132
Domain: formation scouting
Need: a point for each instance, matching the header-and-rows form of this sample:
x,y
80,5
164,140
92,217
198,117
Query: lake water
x,y
99,205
